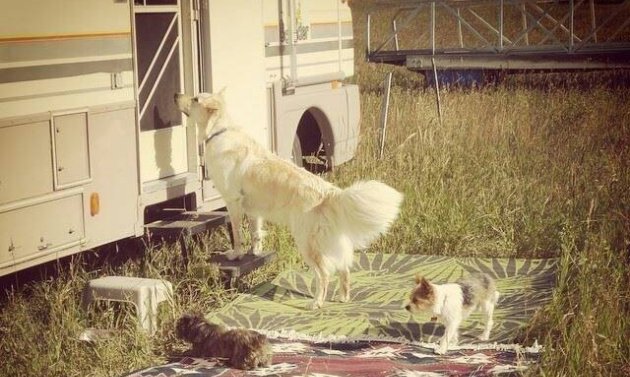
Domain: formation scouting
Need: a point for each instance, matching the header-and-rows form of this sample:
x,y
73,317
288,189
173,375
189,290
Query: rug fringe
x,y
535,348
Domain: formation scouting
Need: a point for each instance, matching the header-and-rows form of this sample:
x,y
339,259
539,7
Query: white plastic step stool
x,y
144,293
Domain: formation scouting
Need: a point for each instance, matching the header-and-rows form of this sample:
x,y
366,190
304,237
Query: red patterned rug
x,y
373,335
359,359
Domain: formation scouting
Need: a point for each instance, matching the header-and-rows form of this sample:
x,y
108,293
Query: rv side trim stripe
x,y
45,198
39,38
42,51
61,93
271,51
317,31
45,116
312,64
53,71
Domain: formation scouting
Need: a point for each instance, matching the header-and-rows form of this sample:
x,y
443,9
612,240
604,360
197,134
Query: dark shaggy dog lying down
x,y
244,349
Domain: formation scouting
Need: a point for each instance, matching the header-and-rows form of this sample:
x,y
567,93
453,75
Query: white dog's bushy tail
x,y
365,210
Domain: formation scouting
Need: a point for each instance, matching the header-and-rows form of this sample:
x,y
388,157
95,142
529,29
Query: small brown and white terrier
x,y
244,349
451,303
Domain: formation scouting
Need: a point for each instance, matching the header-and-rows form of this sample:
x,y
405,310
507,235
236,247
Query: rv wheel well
x,y
312,147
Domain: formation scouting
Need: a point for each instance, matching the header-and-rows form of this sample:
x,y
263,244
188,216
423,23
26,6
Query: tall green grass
x,y
515,172
537,166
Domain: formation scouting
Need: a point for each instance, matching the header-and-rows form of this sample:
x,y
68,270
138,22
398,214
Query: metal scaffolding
x,y
501,34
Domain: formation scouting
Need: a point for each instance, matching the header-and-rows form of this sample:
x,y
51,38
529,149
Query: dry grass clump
x,y
521,172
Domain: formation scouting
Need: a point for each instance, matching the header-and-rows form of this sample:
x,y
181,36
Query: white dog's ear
x,y
418,278
222,92
212,103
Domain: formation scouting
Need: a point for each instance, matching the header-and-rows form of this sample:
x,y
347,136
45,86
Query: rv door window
x,y
158,62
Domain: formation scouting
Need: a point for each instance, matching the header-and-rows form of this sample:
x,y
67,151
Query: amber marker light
x,y
95,204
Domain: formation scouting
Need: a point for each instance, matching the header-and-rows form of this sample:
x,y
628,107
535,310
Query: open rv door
x,y
159,70
228,53
169,39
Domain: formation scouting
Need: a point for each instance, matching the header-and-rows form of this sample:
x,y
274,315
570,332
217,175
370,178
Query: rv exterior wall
x,y
67,129
59,57
307,59
338,110
238,63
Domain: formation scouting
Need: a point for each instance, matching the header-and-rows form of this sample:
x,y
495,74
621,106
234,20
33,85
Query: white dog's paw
x,y
483,337
315,305
256,250
441,347
440,350
345,297
233,254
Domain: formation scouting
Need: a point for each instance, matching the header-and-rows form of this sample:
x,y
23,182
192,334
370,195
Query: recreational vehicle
x,y
91,143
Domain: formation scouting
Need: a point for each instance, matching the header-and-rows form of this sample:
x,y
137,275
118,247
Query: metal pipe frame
x,y
484,31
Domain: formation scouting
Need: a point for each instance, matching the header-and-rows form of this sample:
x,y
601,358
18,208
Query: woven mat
x,y
381,285
355,359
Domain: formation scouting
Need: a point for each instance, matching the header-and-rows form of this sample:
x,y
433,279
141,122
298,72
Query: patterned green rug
x,y
381,284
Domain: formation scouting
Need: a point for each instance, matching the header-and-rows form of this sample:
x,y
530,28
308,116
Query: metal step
x,y
188,223
183,224
234,269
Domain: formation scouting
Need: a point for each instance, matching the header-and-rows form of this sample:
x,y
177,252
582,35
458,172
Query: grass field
x,y
514,170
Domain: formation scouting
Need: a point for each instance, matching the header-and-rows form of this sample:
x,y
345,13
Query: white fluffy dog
x,y
327,222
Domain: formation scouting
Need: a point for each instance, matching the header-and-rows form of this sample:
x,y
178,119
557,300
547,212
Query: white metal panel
x,y
238,62
59,55
312,64
312,11
25,161
323,11
43,17
60,94
72,160
114,177
322,41
39,229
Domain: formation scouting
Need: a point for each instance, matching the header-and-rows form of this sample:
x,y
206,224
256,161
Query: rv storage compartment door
x,y
72,162
25,164
30,232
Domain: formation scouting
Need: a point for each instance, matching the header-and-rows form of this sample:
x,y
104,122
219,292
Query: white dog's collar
x,y
214,134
